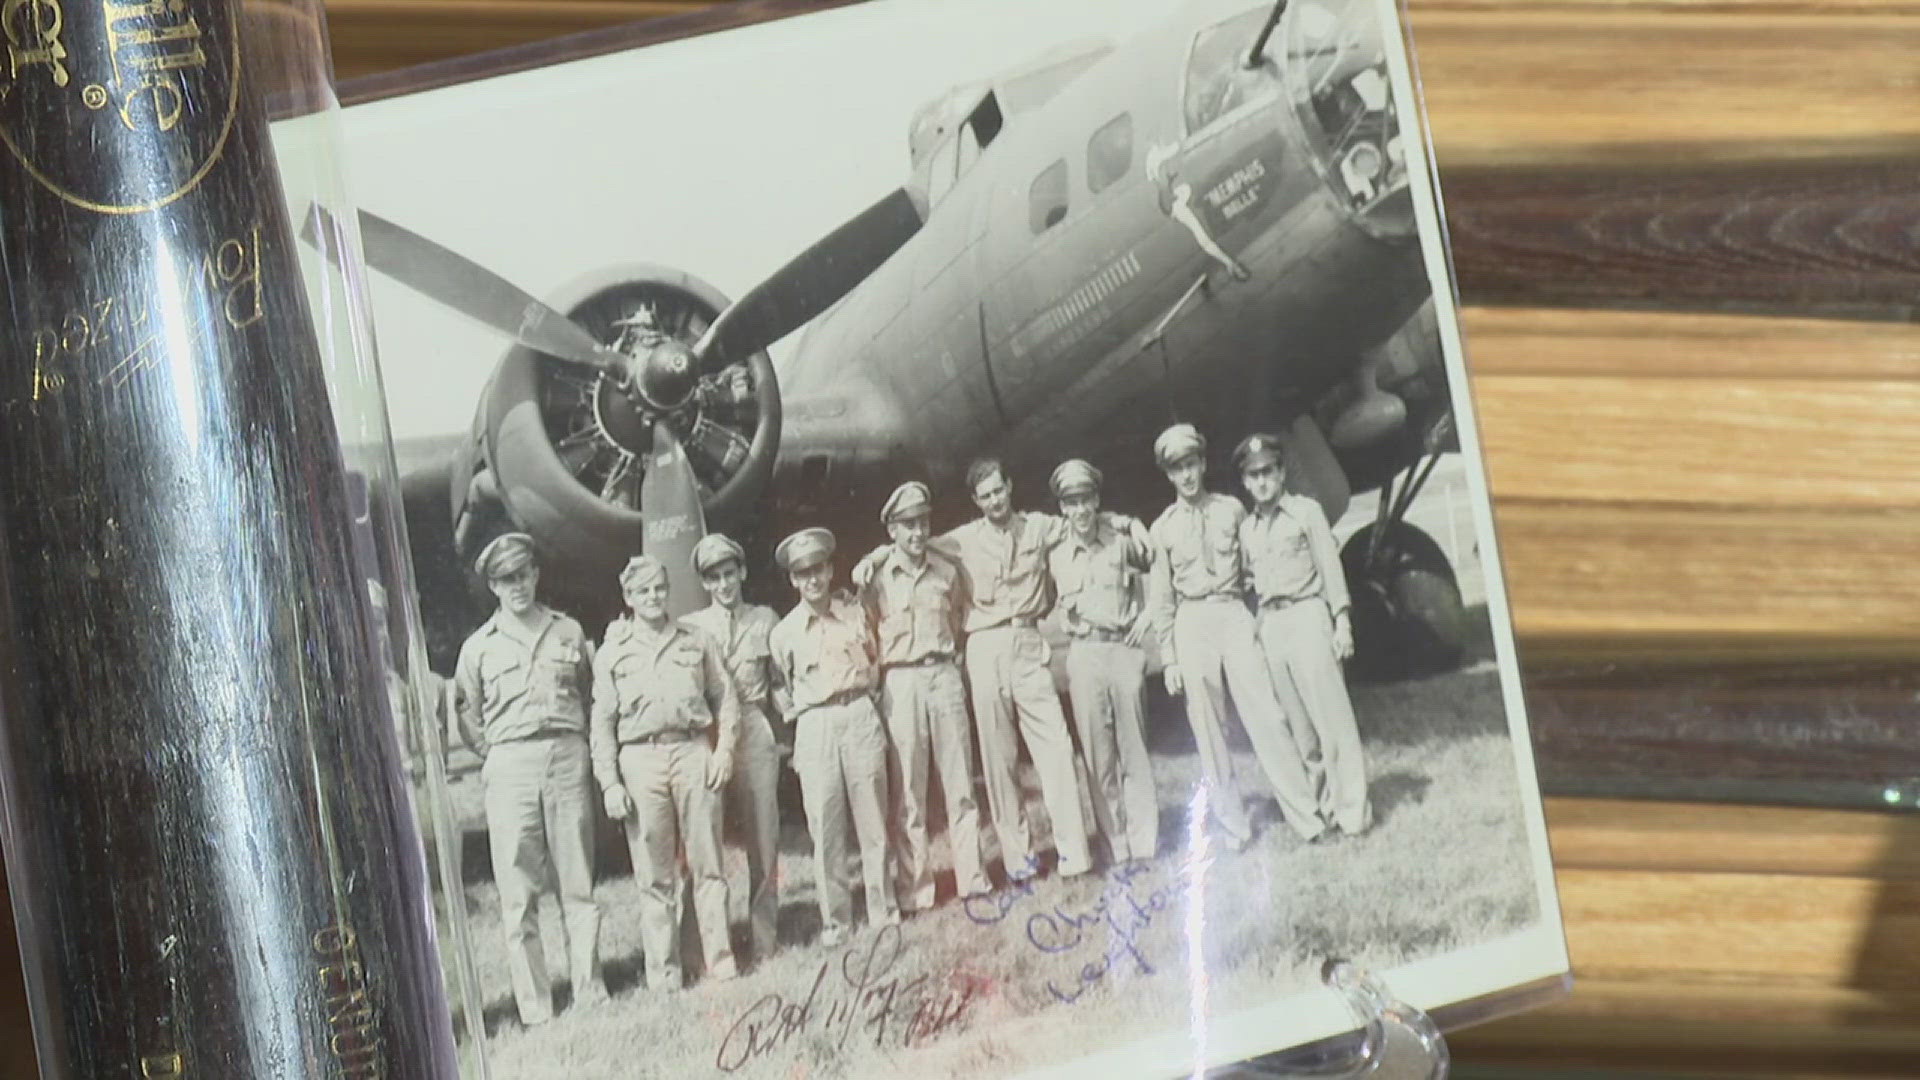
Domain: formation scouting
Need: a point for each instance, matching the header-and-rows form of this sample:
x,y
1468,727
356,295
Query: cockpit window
x,y
985,122
1337,71
1047,199
951,159
1218,78
941,171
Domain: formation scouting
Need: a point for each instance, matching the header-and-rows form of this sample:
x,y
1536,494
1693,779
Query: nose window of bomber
x,y
1337,72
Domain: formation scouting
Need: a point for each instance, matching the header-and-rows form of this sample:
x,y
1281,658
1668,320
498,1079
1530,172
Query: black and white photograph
x,y
951,542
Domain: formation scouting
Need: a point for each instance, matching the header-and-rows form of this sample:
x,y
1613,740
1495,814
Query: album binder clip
x,y
1394,1040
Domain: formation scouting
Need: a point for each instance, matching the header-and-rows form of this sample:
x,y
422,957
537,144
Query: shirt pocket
x,y
1109,568
1029,548
755,645
1295,546
629,682
502,677
680,671
561,682
1223,549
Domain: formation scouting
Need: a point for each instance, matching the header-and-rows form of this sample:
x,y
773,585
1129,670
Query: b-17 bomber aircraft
x,y
1210,222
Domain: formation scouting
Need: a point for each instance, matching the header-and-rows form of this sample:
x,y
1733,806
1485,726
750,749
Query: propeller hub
x,y
663,372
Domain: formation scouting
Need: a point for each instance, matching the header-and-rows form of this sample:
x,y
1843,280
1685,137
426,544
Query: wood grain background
x,y
1688,239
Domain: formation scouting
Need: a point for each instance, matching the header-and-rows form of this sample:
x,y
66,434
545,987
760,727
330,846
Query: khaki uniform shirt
x,y
648,683
1291,555
1196,557
1100,580
746,640
1007,575
824,657
511,687
919,611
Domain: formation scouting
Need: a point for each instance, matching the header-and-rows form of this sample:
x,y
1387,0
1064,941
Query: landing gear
x,y
1407,613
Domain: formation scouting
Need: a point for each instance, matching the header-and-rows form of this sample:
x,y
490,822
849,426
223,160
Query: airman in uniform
x,y
520,698
1301,590
1003,554
666,719
745,633
919,600
825,653
1100,569
1206,636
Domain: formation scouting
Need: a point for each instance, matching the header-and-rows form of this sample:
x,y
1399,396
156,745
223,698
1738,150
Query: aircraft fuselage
x,y
1055,305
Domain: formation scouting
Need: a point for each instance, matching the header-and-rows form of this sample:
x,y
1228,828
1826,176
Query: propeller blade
x,y
813,282
673,521
458,282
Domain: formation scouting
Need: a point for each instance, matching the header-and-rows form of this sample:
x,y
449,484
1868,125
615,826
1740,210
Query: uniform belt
x,y
1277,603
929,660
1095,633
844,697
665,738
1210,597
1018,622
540,736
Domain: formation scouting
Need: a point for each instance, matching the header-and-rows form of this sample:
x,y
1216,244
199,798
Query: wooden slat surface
x,y
1726,442
1740,940
1582,570
1554,341
1606,834
378,35
1655,472
1513,83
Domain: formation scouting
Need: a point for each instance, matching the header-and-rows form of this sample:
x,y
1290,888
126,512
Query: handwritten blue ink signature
x,y
992,908
1124,910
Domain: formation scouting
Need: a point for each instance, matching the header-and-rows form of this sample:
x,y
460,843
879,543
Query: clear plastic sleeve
x,y
208,689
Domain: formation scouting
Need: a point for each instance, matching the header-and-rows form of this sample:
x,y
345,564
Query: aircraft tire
x,y
1408,616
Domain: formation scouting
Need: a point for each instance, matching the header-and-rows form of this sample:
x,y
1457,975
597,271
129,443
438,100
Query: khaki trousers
x,y
1013,700
1218,654
753,807
1298,642
840,752
926,709
539,797
1107,682
673,809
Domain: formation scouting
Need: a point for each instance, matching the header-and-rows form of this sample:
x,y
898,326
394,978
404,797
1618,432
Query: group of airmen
x,y
936,648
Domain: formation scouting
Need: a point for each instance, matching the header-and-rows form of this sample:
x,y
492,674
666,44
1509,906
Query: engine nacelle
x,y
561,447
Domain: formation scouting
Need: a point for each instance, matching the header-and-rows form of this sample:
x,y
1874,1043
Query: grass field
x,y
966,989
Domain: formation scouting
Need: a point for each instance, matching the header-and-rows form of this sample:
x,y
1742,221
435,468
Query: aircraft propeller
x,y
814,280
671,400
474,291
